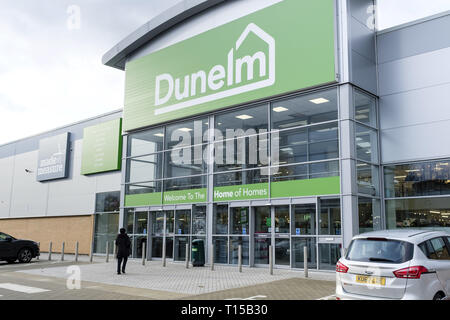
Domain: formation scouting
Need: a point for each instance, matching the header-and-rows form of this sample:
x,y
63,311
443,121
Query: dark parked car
x,y
12,249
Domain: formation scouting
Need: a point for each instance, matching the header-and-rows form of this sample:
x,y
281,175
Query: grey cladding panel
x,y
363,40
413,40
359,9
32,143
415,107
7,150
364,72
418,142
425,70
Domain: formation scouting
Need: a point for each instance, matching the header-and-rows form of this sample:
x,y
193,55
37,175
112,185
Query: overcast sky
x,y
50,65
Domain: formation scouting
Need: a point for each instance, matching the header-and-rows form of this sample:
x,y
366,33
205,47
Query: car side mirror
x,y
8,239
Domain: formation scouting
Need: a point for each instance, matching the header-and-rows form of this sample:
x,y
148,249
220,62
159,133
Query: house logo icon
x,y
221,81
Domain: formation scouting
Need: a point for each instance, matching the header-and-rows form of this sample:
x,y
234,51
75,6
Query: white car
x,y
395,264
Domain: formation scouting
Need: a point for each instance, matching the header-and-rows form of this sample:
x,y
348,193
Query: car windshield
x,y
380,250
3,236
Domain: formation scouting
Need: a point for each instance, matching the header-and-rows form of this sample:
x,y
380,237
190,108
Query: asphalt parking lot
x,y
47,280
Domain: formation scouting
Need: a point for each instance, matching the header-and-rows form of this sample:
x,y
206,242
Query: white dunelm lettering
x,y
219,76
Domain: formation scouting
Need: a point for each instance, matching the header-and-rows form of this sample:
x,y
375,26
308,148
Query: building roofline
x,y
63,127
415,22
116,57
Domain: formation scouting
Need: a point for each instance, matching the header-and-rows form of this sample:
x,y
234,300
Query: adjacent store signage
x,y
283,48
53,161
102,148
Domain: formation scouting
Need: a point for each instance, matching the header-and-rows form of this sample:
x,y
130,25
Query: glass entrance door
x,y
262,234
281,231
162,233
304,234
173,229
158,219
272,227
140,233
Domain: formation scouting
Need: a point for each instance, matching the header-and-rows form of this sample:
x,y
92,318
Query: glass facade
x,y
137,229
418,195
418,179
106,224
365,114
288,140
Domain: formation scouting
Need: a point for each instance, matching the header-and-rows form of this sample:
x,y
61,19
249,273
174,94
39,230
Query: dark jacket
x,y
123,244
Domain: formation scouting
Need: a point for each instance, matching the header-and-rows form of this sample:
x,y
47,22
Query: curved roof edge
x,y
116,57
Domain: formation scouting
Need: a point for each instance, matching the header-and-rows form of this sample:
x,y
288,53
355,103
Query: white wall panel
x,y
78,191
420,142
6,176
415,107
108,182
416,72
29,197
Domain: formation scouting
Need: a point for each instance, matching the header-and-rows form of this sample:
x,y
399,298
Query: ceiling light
x,y
364,145
161,135
280,109
185,129
294,124
319,100
244,117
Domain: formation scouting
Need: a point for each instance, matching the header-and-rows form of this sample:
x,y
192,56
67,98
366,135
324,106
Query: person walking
x,y
123,244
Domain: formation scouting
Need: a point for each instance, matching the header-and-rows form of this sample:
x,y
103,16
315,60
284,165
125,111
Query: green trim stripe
x,y
284,189
144,199
302,188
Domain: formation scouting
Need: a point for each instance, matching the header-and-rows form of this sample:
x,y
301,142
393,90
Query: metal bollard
x,y
143,253
187,255
164,254
76,251
114,250
50,251
62,250
107,251
212,257
240,258
270,260
91,253
39,247
305,257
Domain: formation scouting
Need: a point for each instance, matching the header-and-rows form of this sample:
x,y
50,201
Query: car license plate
x,y
380,281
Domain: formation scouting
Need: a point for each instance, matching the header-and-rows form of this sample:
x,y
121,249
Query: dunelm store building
x,y
288,123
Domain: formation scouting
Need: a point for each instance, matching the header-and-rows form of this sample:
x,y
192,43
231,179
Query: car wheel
x,y
25,255
438,296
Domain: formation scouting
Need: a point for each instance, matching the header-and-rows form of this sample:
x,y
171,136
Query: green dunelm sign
x,y
102,148
283,48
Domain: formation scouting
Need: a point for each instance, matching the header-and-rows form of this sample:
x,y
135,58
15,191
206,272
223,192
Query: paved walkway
x,y
182,282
